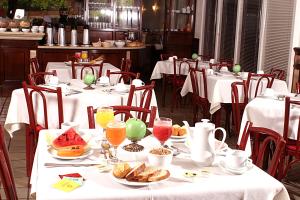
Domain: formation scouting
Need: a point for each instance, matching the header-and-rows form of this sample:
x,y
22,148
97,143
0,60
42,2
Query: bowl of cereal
x,y
160,157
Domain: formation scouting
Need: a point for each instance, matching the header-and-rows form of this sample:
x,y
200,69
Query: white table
x,y
216,184
269,113
64,72
75,106
167,67
219,88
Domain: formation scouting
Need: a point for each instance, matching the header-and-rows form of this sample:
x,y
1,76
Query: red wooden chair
x,y
86,67
39,77
260,77
127,110
167,79
262,139
198,100
179,65
34,65
31,93
125,65
292,150
237,105
126,77
145,97
279,73
6,174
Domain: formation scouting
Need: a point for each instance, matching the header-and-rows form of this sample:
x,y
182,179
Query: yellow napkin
x,y
66,185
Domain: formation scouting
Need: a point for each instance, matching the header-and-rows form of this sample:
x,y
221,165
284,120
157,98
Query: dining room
x,y
171,99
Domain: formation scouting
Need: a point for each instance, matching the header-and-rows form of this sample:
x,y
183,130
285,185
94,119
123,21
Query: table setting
x,y
154,172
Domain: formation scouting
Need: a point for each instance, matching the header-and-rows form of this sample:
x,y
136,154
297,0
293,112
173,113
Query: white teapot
x,y
137,82
202,142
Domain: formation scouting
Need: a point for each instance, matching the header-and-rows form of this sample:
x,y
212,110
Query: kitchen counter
x,y
21,36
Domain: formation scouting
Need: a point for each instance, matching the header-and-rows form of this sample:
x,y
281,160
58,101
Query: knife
x,y
70,164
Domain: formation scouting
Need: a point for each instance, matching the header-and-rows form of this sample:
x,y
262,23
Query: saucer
x,y
237,171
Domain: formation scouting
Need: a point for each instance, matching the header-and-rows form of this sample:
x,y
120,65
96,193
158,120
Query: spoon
x,y
105,145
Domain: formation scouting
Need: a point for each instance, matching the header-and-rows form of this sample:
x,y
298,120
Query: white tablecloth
x,y
166,67
75,106
219,88
64,72
269,113
216,184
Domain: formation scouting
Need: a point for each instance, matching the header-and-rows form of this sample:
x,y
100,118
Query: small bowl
x,y
25,30
15,29
2,29
106,44
120,43
160,157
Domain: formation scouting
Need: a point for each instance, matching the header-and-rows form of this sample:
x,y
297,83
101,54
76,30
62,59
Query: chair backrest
x,y
39,77
195,75
145,97
181,65
298,88
127,111
289,104
34,65
125,64
237,105
86,67
6,174
262,139
279,73
29,91
260,77
126,77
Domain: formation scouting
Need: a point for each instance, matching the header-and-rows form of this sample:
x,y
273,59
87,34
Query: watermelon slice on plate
x,y
68,138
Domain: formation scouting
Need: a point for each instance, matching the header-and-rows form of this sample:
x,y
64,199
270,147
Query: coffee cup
x,y
209,71
236,159
212,61
68,125
53,80
137,82
41,29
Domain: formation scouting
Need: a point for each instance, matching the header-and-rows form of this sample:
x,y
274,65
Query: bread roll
x,y
121,170
175,129
182,131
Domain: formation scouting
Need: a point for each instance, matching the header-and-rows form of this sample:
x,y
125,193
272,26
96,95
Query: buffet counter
x,y
21,36
112,55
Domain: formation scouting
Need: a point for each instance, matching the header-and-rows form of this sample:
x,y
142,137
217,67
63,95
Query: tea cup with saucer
x,y
237,159
103,80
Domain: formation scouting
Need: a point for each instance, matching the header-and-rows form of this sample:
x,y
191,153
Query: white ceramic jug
x,y
202,142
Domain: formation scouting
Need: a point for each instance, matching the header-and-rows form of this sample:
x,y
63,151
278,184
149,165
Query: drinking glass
x,y
84,56
115,135
104,115
77,56
162,129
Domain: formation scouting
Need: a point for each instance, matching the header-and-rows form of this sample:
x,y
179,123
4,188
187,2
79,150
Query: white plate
x,y
53,153
178,137
132,183
238,171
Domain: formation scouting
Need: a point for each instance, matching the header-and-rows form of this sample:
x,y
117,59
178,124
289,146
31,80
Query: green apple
x,y
236,68
135,129
194,56
89,79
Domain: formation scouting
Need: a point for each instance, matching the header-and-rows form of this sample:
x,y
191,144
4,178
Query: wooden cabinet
x,y
14,61
179,27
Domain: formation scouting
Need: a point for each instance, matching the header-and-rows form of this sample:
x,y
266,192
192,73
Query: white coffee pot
x,y
202,142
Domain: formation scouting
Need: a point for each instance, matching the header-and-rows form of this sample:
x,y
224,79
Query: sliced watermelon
x,y
68,138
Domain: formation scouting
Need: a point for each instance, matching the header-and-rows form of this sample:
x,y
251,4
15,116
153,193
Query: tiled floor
x,y
17,146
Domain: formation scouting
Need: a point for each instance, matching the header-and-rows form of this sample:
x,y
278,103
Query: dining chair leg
x,y
164,90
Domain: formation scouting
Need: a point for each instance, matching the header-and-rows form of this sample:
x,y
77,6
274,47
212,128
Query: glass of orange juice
x,y
104,115
115,135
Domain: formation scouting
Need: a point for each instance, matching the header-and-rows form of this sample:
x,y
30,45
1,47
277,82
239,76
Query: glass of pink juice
x,y
162,129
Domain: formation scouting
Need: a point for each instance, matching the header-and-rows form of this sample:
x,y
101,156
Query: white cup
x,y
137,82
53,80
41,29
212,61
236,159
67,125
103,80
269,92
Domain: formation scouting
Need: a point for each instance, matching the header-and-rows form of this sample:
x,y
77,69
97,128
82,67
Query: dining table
x,y
75,102
268,112
219,88
64,70
210,182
